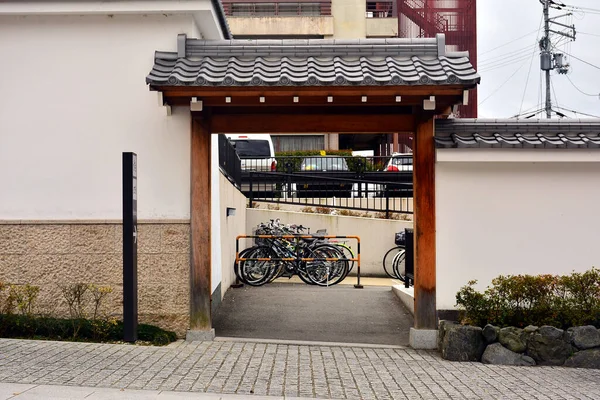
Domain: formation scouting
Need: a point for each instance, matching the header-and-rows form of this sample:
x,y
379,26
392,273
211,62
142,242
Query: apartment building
x,y
356,19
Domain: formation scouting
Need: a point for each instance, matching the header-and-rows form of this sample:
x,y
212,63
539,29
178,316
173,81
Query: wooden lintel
x,y
424,229
312,123
200,276
275,91
301,101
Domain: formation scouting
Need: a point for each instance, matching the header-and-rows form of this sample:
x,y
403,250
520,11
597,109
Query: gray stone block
x,y
499,355
463,343
548,346
490,333
584,337
424,339
585,359
443,326
198,336
513,339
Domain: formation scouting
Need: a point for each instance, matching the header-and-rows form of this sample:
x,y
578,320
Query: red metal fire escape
x,y
456,18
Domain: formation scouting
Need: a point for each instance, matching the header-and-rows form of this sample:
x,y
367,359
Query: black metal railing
x,y
378,184
229,162
381,9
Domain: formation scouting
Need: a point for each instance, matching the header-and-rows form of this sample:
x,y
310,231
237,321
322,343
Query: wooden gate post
x,y
200,213
424,240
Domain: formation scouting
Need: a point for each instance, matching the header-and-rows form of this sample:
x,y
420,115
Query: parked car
x,y
257,154
318,187
398,163
256,151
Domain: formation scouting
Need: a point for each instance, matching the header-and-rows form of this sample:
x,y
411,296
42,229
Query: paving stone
x,y
285,370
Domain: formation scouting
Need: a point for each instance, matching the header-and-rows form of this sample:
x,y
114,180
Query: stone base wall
x,y
50,253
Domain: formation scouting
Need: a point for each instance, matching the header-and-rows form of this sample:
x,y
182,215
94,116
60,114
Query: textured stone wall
x,y
47,254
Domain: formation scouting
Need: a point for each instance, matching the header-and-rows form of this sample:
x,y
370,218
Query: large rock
x,y
584,337
463,343
513,339
549,346
585,359
499,355
490,333
442,329
529,329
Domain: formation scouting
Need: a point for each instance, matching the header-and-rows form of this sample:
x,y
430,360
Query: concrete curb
x,y
406,296
19,391
307,343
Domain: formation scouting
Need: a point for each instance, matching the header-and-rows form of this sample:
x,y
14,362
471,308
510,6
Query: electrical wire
x,y
579,112
583,61
585,33
507,43
581,91
502,85
531,64
507,63
503,56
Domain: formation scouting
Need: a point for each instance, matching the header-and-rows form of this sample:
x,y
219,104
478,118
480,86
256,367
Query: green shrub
x,y
355,163
110,330
521,300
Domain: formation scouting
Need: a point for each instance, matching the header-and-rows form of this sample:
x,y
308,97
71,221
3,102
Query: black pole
x,y
130,299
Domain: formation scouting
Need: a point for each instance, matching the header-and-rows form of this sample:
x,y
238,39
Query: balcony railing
x,y
381,9
279,8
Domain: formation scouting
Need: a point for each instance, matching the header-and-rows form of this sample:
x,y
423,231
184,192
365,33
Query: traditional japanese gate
x,y
314,86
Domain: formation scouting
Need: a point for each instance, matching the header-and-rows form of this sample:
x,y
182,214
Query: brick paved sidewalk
x,y
285,370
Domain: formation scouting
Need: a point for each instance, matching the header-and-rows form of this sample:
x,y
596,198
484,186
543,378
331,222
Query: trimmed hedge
x,y
30,327
521,300
355,163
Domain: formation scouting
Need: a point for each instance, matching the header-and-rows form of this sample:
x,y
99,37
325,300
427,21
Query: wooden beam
x,y
424,227
200,276
272,91
288,101
310,123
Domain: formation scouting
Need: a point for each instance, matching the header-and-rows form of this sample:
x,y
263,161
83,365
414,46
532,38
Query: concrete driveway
x,y
341,313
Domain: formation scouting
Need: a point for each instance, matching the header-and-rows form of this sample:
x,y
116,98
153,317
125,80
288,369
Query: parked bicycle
x,y
394,261
314,260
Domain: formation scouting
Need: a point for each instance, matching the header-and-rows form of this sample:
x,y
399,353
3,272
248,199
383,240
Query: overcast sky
x,y
513,25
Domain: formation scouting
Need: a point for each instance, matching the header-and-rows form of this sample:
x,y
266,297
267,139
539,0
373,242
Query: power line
x,y
583,61
579,112
502,85
504,64
581,91
507,43
503,56
585,33
530,64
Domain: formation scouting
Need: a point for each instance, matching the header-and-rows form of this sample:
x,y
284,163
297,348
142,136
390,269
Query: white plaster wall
x,y
231,227
514,217
73,98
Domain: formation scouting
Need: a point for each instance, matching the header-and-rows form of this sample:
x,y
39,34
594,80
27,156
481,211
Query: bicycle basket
x,y
400,238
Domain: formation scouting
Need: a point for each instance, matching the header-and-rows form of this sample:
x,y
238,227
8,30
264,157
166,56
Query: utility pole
x,y
549,60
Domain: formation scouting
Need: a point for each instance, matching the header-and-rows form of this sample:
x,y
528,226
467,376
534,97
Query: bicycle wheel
x,y
399,264
236,267
347,252
327,273
258,272
388,260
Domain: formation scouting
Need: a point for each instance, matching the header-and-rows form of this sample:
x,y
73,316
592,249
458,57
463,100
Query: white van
x,y
256,151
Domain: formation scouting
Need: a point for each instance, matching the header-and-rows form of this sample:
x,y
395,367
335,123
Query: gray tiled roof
x,y
312,62
512,133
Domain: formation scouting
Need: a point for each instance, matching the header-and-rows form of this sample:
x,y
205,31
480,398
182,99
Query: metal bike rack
x,y
298,258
